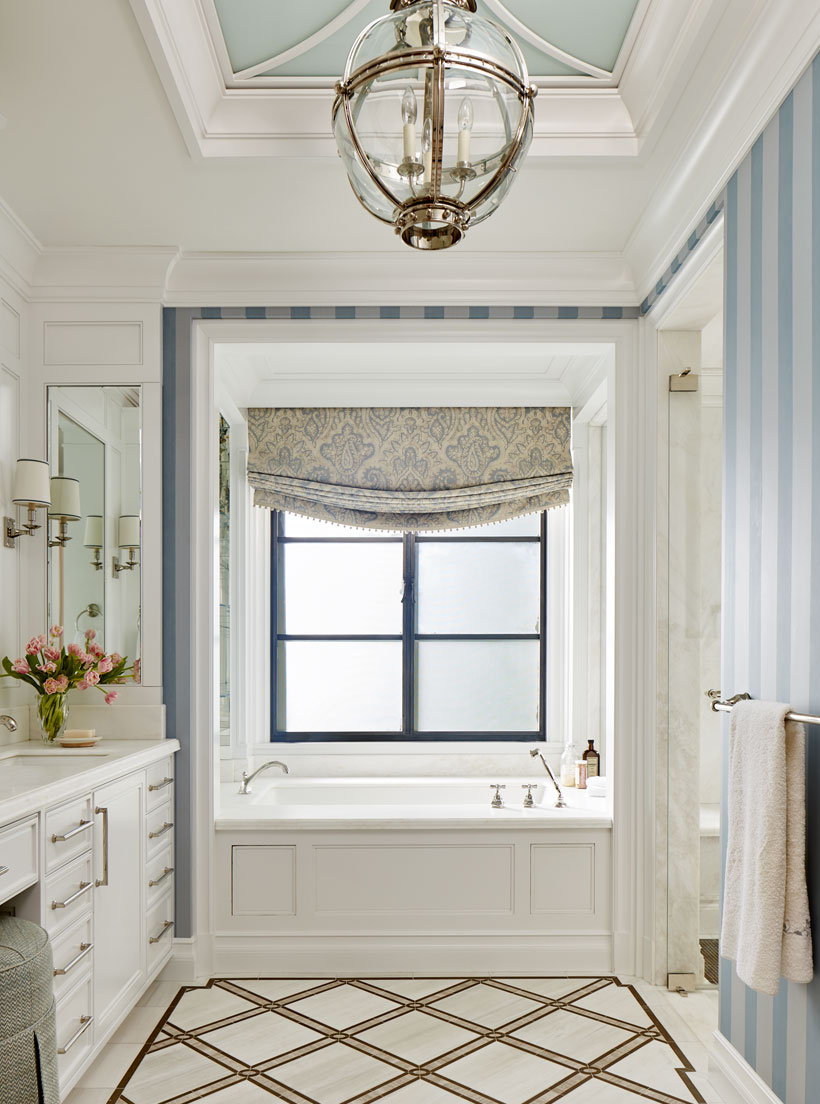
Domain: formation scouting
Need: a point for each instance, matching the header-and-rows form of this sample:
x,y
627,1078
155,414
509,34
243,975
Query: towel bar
x,y
721,706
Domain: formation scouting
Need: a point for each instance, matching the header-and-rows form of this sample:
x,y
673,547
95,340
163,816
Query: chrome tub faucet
x,y
244,786
560,803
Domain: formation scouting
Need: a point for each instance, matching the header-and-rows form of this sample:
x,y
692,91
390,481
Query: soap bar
x,y
80,733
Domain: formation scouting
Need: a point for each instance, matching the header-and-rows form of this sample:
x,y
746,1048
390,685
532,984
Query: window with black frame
x,y
433,636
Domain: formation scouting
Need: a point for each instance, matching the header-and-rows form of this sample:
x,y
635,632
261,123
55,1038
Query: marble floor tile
x,y
417,1037
399,1040
138,1025
88,1096
342,1007
159,995
110,1066
485,1005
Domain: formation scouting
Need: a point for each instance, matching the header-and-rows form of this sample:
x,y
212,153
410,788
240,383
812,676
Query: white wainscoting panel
x,y
411,879
263,881
110,344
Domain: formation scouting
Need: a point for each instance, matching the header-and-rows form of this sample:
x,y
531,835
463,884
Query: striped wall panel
x,y
771,637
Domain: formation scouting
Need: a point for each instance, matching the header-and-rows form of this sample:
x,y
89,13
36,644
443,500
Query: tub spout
x,y
244,786
560,803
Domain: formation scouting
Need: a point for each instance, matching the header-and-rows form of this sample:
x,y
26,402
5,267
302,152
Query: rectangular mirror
x,y
94,553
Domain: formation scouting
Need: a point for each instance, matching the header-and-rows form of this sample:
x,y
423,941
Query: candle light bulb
x,y
465,114
465,129
409,109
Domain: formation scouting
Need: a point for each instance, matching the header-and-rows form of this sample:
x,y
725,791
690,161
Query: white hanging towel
x,y
766,928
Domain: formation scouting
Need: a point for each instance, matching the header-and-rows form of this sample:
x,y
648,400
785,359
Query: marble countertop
x,y
33,776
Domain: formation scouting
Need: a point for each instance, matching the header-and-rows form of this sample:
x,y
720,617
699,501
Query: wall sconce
x,y
94,538
65,506
128,536
31,489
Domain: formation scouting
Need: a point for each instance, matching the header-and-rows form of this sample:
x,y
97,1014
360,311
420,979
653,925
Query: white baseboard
x,y
300,956
182,966
734,1078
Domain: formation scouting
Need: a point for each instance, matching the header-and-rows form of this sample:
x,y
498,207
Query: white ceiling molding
x,y
777,42
290,117
463,278
19,251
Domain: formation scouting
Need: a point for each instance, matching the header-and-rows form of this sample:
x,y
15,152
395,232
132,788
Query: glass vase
x,y
52,713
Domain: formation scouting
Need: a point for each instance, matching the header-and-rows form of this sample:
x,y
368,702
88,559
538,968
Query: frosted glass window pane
x,y
347,686
527,526
478,588
298,526
477,685
342,589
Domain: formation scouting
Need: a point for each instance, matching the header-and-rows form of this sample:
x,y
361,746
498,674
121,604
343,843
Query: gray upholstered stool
x,y
28,1047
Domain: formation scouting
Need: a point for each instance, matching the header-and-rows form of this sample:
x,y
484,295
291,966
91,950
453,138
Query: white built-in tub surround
x,y
402,873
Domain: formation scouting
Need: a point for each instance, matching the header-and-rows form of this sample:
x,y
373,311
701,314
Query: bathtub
x,y
274,798
398,875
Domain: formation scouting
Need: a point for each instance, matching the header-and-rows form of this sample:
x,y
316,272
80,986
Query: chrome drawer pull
x,y
3,870
69,966
160,785
165,927
84,888
85,1023
158,881
81,827
104,880
167,826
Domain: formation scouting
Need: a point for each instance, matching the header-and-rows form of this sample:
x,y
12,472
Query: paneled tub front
x,y
410,876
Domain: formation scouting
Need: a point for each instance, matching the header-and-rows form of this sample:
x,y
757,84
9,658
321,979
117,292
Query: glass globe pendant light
x,y
466,81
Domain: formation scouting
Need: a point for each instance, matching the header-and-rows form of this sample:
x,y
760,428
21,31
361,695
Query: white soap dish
x,y
78,738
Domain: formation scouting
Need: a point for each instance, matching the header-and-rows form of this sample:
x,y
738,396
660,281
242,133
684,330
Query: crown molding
x,y
400,279
19,251
102,274
779,44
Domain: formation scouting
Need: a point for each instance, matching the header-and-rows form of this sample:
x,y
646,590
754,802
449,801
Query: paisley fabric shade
x,y
410,468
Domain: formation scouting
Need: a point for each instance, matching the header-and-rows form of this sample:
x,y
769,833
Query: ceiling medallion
x,y
432,118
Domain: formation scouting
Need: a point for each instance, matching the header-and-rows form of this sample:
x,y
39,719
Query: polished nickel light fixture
x,y
432,118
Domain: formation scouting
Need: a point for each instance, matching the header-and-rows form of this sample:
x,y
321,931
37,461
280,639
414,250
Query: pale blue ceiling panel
x,y
255,30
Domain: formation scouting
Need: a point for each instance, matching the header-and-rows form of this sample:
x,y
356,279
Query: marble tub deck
x,y
398,1040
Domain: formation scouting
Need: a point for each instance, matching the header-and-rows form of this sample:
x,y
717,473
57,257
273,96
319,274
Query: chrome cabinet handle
x,y
167,826
160,785
3,870
85,1023
84,888
69,966
81,827
165,874
165,928
104,880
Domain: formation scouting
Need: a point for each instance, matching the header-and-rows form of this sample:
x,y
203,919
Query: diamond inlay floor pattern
x,y
409,1041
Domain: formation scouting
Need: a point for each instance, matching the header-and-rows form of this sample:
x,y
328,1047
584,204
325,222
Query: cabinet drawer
x,y
159,828
18,857
160,931
68,831
72,951
67,894
160,779
75,1030
159,874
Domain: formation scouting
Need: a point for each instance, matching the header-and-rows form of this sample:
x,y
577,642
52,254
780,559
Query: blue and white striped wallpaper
x,y
771,638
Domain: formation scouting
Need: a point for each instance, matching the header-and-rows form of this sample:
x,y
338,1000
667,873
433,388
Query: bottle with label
x,y
593,760
580,774
568,766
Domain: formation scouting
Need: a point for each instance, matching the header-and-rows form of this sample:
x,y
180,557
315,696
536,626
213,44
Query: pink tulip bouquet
x,y
53,670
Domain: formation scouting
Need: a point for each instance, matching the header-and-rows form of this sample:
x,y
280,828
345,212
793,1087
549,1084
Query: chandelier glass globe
x,y
432,118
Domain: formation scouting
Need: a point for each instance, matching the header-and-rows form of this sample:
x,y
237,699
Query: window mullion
x,y
408,643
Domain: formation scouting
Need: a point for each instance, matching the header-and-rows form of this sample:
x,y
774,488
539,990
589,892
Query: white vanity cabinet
x,y
96,854
119,895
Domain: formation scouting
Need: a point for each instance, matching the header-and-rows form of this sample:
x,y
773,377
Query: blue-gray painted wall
x,y
771,635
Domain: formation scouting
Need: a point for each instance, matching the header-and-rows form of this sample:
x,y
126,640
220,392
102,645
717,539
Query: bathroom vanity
x,y
87,852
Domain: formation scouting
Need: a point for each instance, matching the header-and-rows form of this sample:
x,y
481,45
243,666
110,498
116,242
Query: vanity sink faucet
x,y
9,722
244,786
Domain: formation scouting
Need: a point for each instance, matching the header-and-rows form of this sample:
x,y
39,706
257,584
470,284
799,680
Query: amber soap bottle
x,y
593,760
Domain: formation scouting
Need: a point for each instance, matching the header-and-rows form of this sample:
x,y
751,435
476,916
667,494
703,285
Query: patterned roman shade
x,y
410,468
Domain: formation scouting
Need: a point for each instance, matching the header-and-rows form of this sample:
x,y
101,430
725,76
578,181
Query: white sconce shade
x,y
65,498
93,531
31,483
129,531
